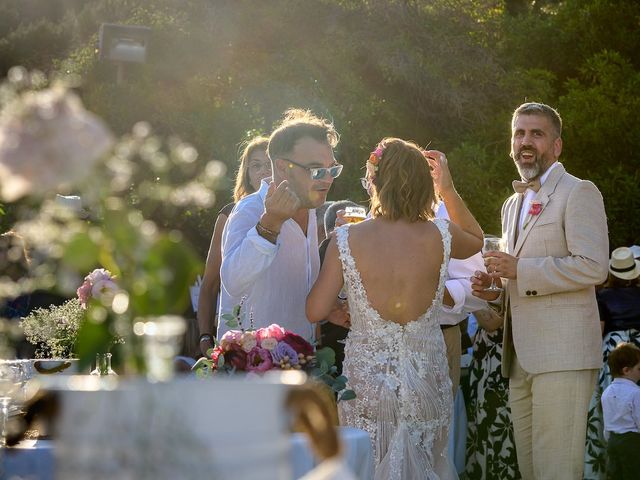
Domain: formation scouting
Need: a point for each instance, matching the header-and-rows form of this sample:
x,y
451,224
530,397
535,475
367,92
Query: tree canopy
x,y
447,73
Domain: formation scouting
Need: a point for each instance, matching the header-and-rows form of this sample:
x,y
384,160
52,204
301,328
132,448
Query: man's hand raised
x,y
280,204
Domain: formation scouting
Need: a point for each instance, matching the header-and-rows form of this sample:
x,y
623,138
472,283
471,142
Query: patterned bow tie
x,y
521,187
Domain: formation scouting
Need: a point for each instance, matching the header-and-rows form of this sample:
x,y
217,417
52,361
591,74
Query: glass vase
x,y
103,365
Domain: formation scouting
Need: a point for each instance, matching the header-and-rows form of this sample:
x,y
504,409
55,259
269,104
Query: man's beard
x,y
532,170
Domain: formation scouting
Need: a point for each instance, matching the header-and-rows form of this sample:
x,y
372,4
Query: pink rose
x,y
299,344
272,331
535,209
232,337
259,360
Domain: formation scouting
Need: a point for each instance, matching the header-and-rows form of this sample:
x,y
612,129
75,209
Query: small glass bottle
x,y
103,365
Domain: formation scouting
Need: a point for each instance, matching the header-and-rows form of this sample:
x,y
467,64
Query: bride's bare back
x,y
399,264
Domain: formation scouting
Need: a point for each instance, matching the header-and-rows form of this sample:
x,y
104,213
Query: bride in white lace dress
x,y
393,268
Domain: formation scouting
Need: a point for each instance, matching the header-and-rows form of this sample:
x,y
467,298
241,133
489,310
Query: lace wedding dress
x,y
400,376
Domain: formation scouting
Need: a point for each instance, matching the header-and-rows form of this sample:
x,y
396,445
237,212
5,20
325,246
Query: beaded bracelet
x,y
266,233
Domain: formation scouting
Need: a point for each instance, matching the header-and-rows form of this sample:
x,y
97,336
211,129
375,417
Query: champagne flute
x,y
10,385
492,244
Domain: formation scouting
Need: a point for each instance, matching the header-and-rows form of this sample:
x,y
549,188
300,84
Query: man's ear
x,y
280,167
557,147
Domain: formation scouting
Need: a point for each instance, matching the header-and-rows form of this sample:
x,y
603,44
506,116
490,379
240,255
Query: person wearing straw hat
x,y
619,306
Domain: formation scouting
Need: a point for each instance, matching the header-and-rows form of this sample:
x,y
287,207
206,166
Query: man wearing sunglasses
x,y
270,243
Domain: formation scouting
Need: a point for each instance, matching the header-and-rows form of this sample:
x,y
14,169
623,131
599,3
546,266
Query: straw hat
x,y
623,265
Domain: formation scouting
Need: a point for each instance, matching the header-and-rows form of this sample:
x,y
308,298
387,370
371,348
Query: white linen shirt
x,y
458,284
621,406
275,279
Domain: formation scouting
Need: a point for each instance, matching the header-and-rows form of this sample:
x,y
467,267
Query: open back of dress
x,y
400,376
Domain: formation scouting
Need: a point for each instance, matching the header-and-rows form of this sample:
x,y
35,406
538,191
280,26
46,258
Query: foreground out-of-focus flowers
x,y
48,140
97,284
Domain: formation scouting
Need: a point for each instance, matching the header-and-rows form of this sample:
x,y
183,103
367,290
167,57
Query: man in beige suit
x,y
556,251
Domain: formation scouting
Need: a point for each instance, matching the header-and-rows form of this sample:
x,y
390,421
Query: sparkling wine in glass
x,y
494,244
355,214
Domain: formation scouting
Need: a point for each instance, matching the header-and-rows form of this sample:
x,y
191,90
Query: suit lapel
x,y
514,219
546,191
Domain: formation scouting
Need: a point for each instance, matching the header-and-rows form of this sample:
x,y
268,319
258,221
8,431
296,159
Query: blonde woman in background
x,y
254,166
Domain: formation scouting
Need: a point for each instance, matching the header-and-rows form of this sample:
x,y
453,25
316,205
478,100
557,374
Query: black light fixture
x,y
123,44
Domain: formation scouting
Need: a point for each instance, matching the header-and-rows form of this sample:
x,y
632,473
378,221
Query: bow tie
x,y
521,187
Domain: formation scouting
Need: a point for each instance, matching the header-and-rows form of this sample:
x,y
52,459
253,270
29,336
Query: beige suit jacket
x,y
563,253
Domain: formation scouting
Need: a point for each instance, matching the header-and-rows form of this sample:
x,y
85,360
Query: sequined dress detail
x,y
400,376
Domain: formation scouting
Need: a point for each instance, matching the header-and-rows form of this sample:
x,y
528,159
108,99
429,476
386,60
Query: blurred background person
x,y
331,334
491,453
619,307
254,167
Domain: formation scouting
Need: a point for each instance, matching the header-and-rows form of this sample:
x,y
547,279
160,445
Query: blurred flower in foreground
x,y
48,139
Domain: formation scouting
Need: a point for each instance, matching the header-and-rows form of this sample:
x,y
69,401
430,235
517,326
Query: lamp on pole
x,y
123,44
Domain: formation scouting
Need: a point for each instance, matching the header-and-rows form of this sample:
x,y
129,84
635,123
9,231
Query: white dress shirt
x,y
621,406
458,284
275,279
530,195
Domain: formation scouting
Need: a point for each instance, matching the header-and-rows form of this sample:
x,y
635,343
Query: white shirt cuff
x,y
457,293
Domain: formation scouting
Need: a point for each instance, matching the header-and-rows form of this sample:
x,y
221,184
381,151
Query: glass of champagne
x,y
492,244
355,214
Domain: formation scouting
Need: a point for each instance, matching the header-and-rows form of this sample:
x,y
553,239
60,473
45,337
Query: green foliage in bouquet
x,y
55,329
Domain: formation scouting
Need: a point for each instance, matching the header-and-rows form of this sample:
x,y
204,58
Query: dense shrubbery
x,y
443,72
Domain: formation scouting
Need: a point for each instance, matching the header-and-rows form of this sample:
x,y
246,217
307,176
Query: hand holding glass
x,y
355,214
492,244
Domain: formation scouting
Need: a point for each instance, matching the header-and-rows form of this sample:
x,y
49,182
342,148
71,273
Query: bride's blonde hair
x,y
402,184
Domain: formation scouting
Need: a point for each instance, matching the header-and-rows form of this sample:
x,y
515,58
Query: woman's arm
x,y
210,285
467,236
322,297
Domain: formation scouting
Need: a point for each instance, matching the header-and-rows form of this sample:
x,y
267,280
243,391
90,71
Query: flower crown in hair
x,y
376,156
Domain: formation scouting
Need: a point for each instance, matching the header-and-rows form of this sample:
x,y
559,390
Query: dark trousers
x,y
623,450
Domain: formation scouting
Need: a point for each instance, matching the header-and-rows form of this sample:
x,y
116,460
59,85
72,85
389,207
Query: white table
x,y
34,459
358,453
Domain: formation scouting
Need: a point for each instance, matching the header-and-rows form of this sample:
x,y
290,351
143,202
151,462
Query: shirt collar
x,y
545,175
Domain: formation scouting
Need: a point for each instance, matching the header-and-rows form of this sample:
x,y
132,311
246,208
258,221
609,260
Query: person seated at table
x,y
254,167
270,244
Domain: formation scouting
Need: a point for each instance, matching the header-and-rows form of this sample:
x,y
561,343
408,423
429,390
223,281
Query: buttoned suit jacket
x,y
551,318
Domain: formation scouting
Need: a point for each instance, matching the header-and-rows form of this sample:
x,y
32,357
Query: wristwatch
x,y
207,336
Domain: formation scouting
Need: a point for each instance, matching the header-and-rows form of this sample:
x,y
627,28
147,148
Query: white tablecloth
x,y
33,459
358,453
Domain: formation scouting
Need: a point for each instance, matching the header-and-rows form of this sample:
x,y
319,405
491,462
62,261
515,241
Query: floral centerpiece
x,y
255,351
129,186
54,330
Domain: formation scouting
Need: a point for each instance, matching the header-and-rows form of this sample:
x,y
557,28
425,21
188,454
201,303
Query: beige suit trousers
x,y
549,413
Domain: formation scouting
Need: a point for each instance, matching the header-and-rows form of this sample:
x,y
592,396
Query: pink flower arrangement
x,y
269,348
535,209
97,284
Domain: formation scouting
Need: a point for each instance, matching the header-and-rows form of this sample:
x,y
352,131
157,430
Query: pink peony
x,y
236,357
259,360
272,331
